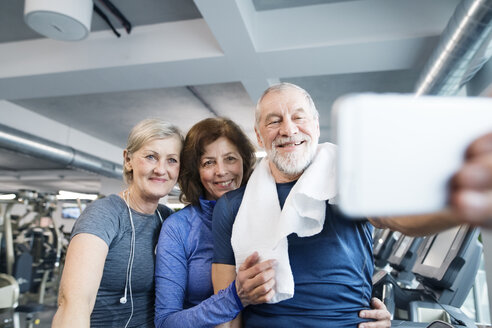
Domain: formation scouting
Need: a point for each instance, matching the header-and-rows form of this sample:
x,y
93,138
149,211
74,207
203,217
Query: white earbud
x,y
124,299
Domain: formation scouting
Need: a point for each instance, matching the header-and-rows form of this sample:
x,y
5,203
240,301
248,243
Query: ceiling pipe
x,y
31,145
464,47
200,98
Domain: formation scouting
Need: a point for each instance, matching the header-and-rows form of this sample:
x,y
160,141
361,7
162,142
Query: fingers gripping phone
x,y
397,153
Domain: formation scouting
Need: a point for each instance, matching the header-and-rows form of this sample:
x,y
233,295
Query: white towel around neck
x,y
262,226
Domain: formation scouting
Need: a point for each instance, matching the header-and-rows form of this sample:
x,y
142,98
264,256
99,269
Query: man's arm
x,y
222,276
419,225
254,282
223,266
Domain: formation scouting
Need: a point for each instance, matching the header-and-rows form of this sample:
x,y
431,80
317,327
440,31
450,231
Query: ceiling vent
x,y
65,20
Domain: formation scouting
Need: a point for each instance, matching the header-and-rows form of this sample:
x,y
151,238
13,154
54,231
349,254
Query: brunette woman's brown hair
x,y
201,135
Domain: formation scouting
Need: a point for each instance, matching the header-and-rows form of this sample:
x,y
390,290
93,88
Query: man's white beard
x,y
292,163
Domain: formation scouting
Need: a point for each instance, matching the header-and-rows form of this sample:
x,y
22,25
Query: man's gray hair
x,y
279,87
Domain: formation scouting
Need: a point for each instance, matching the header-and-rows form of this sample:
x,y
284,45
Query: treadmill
x,y
445,267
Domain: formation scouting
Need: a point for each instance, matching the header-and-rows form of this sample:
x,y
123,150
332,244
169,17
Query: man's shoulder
x,y
233,197
228,205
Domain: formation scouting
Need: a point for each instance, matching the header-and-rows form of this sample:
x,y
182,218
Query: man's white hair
x,y
279,87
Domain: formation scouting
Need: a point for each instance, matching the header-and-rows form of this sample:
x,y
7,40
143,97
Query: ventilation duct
x,y
464,47
65,20
27,144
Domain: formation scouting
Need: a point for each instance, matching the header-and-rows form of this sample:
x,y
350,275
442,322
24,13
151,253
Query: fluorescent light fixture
x,y
7,196
260,154
176,205
65,195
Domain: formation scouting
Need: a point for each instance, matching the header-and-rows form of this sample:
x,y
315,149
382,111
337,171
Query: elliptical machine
x,y
32,250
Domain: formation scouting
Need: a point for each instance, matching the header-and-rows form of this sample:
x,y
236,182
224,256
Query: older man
x,y
331,264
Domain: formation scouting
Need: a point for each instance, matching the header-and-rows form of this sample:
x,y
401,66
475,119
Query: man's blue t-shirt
x,y
332,270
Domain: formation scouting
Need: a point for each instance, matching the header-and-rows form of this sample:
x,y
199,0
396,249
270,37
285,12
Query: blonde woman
x,y
108,279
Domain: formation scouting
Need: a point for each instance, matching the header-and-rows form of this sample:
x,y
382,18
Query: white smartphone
x,y
397,153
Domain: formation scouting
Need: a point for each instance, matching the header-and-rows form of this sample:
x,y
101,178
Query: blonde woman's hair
x,y
144,131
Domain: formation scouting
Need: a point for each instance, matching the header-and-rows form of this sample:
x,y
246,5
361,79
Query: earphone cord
x,y
130,259
132,252
127,270
129,267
